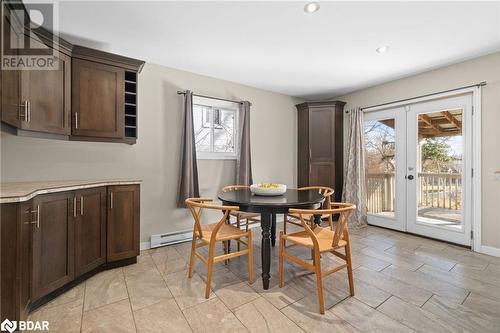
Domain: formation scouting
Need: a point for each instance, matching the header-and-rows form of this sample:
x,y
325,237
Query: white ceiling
x,y
276,46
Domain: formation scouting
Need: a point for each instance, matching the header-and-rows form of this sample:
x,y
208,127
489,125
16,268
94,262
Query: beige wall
x,y
485,68
155,157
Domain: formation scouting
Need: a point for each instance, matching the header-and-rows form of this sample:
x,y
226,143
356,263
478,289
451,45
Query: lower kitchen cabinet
x,y
53,241
123,222
90,229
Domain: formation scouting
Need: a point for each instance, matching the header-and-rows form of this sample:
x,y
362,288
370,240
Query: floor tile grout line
x,y
422,306
465,299
83,305
129,301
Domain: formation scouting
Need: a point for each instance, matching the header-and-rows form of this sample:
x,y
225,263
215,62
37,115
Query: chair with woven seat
x,y
327,192
242,218
210,234
320,240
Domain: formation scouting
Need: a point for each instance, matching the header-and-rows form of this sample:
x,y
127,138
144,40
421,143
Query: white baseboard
x,y
489,250
147,245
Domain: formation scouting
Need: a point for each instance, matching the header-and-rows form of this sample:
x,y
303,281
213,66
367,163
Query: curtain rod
x,y
480,84
179,92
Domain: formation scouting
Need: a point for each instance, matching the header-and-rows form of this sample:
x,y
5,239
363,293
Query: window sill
x,y
214,157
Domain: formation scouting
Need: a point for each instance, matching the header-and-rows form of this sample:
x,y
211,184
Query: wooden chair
x,y
242,218
327,192
209,234
320,240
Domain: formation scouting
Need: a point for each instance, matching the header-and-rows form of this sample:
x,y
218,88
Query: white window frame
x,y
222,105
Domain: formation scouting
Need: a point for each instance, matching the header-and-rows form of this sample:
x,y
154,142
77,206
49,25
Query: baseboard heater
x,y
171,238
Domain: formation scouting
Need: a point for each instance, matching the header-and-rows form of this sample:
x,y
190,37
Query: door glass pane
x,y
440,148
380,145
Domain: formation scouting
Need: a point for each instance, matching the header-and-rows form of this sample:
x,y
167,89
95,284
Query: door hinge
x,y
472,172
472,110
471,234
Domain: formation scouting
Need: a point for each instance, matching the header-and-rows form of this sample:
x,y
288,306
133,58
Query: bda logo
x,y
8,325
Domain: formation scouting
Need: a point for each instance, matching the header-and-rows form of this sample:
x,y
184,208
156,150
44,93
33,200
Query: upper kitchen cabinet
x,y
88,95
104,96
36,100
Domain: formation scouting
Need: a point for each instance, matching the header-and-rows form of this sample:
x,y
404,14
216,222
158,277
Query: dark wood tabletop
x,y
268,207
293,198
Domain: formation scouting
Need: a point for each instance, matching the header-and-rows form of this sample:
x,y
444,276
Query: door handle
x,y
410,177
81,205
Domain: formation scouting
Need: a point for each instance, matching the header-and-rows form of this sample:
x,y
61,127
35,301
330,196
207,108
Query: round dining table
x,y
268,207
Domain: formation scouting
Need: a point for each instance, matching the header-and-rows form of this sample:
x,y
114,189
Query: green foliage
x,y
436,151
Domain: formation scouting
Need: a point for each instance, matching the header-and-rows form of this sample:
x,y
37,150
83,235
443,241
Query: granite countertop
x,y
24,191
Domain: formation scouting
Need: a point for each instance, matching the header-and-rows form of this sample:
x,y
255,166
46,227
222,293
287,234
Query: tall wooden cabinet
x,y
320,145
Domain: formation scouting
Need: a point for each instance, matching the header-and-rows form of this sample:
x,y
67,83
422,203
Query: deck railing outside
x,y
435,190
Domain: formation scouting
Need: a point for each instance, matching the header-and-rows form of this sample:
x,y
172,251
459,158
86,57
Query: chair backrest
x,y
327,192
197,205
234,187
342,209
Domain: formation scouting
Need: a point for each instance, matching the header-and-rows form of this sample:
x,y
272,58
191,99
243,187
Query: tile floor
x,y
403,284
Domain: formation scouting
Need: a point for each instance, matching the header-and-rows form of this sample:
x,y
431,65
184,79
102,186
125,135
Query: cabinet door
x,y
97,100
90,229
53,243
49,95
13,111
123,222
322,146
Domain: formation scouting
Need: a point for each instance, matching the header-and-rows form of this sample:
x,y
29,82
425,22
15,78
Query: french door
x,y
418,168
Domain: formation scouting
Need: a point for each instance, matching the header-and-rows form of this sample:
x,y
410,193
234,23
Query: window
x,y
215,128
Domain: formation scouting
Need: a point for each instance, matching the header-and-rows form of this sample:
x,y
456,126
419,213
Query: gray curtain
x,y
244,161
354,190
188,183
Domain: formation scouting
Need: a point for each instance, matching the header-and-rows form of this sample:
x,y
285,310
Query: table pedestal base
x,y
266,223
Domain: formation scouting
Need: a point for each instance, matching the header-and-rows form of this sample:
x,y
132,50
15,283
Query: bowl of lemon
x,y
268,189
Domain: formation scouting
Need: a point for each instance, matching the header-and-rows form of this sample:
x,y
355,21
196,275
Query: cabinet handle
x,y
25,106
29,111
81,206
74,206
37,222
310,154
76,120
111,200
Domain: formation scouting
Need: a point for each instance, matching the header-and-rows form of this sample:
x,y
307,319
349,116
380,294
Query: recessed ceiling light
x,y
382,49
311,7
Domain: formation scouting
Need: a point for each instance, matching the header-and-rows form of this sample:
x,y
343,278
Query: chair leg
x,y
238,222
285,218
319,282
280,265
226,250
209,271
191,258
349,266
250,257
